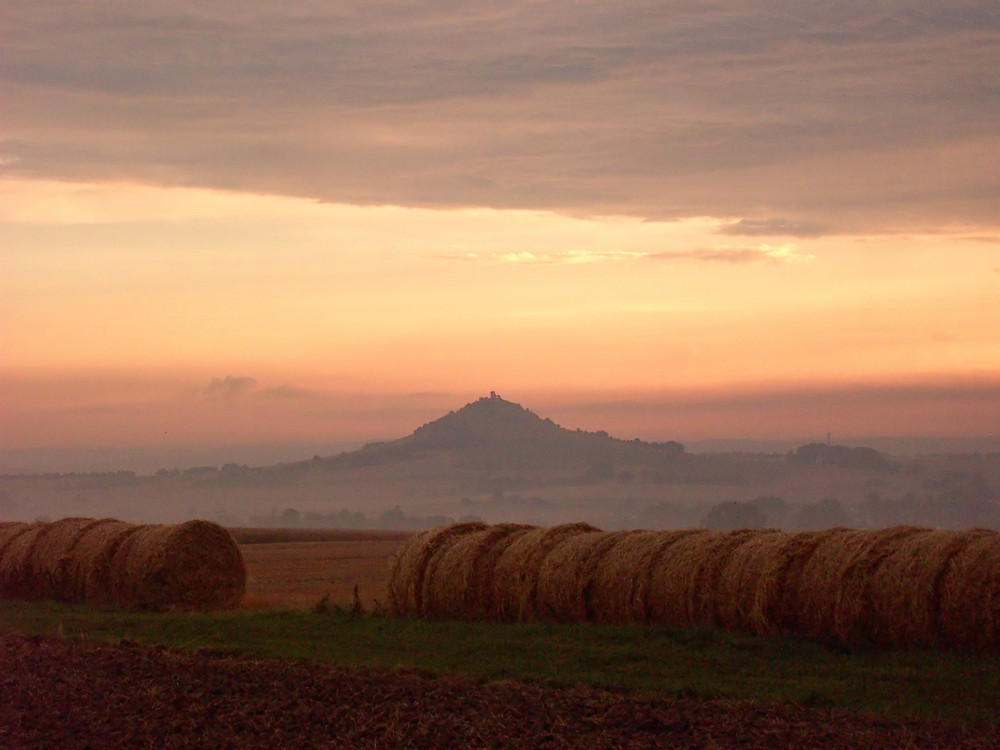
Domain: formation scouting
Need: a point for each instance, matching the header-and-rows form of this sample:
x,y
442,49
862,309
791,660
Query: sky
x,y
312,224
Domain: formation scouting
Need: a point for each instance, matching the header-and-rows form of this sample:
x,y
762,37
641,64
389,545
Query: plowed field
x,y
77,694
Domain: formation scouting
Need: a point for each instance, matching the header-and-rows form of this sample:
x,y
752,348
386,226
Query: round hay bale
x,y
749,583
9,530
834,589
86,569
779,607
820,583
515,577
621,581
46,563
458,578
196,565
645,554
483,576
16,581
400,589
969,595
683,581
567,576
406,578
905,589
853,616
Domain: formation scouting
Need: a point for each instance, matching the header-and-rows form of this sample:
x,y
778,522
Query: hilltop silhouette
x,y
492,430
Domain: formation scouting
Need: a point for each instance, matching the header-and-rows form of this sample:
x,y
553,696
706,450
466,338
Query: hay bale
x,y
645,554
834,589
482,581
86,569
10,530
749,583
820,582
905,589
969,595
400,588
779,607
853,616
16,581
621,580
684,578
705,603
567,576
46,565
409,567
458,578
515,577
196,565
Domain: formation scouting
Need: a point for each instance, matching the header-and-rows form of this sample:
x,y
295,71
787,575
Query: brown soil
x,y
75,694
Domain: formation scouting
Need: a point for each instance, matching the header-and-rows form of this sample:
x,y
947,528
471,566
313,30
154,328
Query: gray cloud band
x,y
835,118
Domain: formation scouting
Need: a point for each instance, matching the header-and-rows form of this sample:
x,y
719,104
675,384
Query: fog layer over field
x,y
497,461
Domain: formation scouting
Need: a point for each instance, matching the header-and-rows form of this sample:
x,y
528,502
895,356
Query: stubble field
x,y
299,569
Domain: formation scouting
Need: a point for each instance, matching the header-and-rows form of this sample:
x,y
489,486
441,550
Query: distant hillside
x,y
490,420
494,433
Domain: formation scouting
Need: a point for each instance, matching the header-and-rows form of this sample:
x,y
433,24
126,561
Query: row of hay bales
x,y
900,586
195,565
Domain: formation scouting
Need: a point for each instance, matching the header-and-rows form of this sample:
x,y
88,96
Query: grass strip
x,y
927,684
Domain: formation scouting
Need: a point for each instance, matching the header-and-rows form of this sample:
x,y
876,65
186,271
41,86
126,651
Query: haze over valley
x,y
497,461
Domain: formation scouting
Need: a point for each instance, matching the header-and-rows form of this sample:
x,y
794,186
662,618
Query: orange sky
x,y
710,224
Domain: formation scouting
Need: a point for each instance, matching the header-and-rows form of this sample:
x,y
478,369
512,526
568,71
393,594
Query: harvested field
x,y
900,586
78,694
298,575
254,535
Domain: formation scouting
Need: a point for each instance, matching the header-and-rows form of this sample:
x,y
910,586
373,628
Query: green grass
x,y
929,684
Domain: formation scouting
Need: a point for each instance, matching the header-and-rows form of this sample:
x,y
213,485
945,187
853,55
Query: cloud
x,y
842,117
738,255
772,227
764,253
568,257
230,387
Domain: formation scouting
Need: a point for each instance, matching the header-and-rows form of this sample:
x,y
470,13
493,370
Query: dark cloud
x,y
845,117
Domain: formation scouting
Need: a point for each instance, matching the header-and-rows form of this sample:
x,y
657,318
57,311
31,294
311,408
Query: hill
x,y
492,433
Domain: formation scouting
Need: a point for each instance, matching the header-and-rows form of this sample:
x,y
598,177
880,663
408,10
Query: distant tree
x,y
734,515
291,518
840,455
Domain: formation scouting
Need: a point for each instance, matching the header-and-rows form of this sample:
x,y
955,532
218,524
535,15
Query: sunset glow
x,y
326,252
